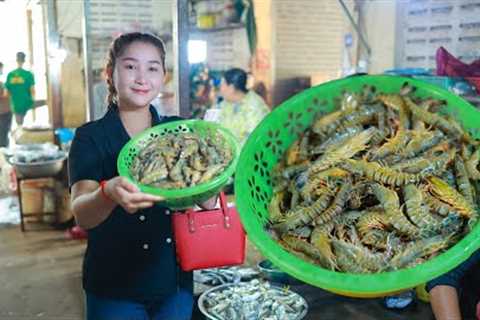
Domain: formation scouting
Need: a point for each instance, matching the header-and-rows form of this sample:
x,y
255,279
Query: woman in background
x,y
241,109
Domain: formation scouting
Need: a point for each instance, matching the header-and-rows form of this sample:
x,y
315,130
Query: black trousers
x,y
5,125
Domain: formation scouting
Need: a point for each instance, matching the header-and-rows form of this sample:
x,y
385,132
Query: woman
x,y
130,269
242,109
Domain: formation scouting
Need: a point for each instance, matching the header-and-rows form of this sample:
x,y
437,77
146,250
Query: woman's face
x,y
138,75
226,90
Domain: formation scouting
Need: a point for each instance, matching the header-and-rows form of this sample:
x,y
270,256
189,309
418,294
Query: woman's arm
x,y
91,207
445,303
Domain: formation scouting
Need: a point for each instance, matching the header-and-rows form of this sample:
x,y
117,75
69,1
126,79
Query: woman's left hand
x,y
128,195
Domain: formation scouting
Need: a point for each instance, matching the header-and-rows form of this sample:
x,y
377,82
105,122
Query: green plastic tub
x,y
273,136
186,197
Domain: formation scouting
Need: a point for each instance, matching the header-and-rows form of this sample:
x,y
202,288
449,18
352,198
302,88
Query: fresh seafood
x,y
180,160
384,182
218,276
252,300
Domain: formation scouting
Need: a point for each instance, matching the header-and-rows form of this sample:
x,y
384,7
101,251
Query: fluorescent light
x,y
57,55
197,51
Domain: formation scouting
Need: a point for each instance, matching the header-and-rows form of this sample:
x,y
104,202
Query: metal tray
x,y
202,305
38,169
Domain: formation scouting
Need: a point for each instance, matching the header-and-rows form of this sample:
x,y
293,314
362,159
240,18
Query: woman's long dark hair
x,y
117,48
238,78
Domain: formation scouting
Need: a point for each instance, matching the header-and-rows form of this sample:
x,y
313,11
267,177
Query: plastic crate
x,y
457,85
446,83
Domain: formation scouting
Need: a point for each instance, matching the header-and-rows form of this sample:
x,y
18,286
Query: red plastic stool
x,y
76,233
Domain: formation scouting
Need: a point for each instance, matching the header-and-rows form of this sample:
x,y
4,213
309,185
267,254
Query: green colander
x,y
186,197
271,138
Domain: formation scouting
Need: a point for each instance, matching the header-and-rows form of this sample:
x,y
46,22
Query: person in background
x,y
447,290
5,114
100,92
20,85
241,109
130,269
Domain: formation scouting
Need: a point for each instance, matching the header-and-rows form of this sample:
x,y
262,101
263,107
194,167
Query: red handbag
x,y
209,238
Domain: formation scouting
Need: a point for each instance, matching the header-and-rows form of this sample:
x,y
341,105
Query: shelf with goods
x,y
193,29
215,14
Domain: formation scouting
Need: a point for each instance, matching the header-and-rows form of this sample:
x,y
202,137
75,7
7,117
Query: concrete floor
x,y
40,278
40,275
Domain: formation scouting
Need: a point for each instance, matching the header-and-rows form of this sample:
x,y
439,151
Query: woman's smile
x,y
141,91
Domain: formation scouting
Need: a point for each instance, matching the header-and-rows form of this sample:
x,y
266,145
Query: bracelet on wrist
x,y
102,189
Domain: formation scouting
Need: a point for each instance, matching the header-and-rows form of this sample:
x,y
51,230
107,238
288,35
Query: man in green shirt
x,y
20,86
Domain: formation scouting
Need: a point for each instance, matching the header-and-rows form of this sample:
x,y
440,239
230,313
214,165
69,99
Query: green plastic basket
x,y
186,197
272,137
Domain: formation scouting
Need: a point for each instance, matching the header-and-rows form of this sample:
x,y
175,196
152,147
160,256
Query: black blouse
x,y
128,256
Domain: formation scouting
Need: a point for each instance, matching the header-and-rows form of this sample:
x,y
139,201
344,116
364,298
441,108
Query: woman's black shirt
x,y
129,256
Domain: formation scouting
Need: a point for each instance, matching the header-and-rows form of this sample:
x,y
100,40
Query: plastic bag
x,y
448,65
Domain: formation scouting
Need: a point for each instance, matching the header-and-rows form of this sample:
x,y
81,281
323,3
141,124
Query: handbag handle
x,y
223,206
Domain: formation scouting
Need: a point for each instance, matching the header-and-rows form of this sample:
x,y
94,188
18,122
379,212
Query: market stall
x,y
346,146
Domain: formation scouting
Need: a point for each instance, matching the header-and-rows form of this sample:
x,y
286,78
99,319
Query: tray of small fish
x,y
184,161
253,300
218,276
364,186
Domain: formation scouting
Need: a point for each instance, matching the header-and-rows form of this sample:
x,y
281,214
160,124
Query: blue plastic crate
x,y
408,72
456,85
443,82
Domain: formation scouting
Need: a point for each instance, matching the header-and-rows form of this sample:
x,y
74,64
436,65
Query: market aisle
x,y
40,275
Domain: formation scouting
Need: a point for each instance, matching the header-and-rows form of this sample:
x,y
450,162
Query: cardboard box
x,y
38,195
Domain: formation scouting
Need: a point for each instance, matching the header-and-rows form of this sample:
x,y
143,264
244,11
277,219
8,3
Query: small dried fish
x,y
253,300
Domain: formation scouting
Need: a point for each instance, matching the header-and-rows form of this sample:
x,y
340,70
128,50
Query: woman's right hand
x,y
127,195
